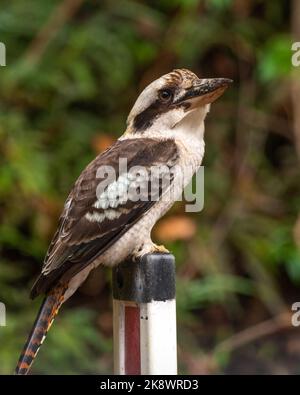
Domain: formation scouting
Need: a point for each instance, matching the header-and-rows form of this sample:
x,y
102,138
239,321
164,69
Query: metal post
x,y
144,310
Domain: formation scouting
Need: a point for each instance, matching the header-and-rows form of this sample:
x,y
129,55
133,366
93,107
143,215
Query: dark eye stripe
x,y
146,118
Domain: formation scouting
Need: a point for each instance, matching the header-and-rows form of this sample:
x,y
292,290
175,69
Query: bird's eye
x,y
165,95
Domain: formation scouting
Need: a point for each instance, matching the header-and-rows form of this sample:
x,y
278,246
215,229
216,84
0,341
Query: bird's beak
x,y
205,92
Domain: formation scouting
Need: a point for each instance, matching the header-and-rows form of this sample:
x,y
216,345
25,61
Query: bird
x,y
103,222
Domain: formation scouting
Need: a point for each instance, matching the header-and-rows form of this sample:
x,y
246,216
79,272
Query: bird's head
x,y
177,99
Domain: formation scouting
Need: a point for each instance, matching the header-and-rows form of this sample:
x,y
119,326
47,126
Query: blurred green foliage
x,y
70,80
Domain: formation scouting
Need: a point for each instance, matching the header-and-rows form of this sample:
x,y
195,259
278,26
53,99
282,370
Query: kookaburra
x,y
164,128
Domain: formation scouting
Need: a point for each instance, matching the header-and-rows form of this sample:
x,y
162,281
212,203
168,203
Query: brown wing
x,y
89,224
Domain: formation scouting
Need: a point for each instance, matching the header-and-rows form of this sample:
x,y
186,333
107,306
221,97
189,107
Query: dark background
x,y
74,69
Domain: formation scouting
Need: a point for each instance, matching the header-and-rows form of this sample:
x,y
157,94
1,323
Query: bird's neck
x,y
189,128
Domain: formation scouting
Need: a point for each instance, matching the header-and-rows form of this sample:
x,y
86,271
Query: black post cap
x,y
150,278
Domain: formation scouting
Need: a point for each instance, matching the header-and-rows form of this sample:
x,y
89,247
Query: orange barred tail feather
x,y
43,322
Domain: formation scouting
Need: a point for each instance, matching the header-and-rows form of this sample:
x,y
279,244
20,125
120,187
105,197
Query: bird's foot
x,y
161,249
149,248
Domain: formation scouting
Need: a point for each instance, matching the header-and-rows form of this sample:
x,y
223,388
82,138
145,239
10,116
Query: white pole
x,y
144,311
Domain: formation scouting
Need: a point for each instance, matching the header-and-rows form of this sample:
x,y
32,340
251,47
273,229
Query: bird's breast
x,y
191,152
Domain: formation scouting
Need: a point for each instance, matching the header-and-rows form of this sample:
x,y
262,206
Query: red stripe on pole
x,y
132,340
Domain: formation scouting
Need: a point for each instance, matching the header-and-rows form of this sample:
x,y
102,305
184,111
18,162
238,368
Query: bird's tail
x,y
43,322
